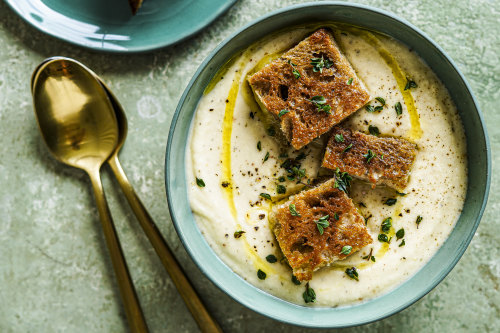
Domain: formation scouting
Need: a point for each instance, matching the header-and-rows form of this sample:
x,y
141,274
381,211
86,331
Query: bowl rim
x,y
295,321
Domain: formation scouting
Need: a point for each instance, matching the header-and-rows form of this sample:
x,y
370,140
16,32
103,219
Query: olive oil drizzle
x,y
220,73
415,131
227,176
227,130
395,215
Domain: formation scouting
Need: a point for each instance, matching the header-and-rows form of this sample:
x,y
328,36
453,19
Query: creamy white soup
x,y
231,160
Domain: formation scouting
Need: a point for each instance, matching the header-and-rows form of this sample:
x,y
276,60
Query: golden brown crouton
x,y
307,246
380,160
309,89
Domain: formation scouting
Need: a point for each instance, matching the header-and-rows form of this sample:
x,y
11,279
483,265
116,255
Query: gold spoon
x,y
204,320
72,111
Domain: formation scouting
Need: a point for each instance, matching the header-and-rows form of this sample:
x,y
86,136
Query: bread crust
x,y
391,164
299,238
277,88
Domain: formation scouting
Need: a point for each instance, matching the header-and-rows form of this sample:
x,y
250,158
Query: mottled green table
x,y
54,269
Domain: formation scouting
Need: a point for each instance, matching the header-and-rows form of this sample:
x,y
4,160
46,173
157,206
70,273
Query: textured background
x,y
54,271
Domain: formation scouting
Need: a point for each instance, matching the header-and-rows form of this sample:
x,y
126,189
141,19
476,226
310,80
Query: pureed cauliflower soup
x,y
236,174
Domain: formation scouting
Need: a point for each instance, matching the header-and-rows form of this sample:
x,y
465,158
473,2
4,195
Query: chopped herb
x,y
280,189
322,223
283,112
293,210
271,258
390,201
309,295
318,99
320,103
320,63
410,84
271,131
370,108
374,130
283,155
369,256
295,72
362,204
400,193
339,138
342,180
346,249
352,273
200,182
386,225
336,216
378,108
300,156
299,172
419,219
265,196
266,157
292,167
400,234
238,233
381,156
259,146
402,243
398,108
346,149
281,179
349,82
261,275
381,100
383,238
369,156
295,280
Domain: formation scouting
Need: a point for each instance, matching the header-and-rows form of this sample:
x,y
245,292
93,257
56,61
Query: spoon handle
x,y
205,322
130,301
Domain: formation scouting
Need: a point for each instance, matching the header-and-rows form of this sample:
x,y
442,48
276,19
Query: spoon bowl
x,y
73,119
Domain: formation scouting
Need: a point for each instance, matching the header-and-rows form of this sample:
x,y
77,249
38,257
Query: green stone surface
x,y
55,275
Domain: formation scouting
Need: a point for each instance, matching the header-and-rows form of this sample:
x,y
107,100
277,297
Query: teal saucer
x,y
109,25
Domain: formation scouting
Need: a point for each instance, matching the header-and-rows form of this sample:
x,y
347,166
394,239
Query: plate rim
x,y
311,324
209,19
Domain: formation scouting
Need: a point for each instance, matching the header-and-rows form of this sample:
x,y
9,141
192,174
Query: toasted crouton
x,y
315,85
389,162
308,247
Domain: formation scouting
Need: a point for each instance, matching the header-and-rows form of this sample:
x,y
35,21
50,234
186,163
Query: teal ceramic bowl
x,y
479,168
108,25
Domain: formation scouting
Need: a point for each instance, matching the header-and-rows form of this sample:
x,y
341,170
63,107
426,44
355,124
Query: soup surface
x,y
232,159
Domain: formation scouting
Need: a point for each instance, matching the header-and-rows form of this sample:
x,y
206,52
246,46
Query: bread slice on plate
x,y
318,227
309,89
379,160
